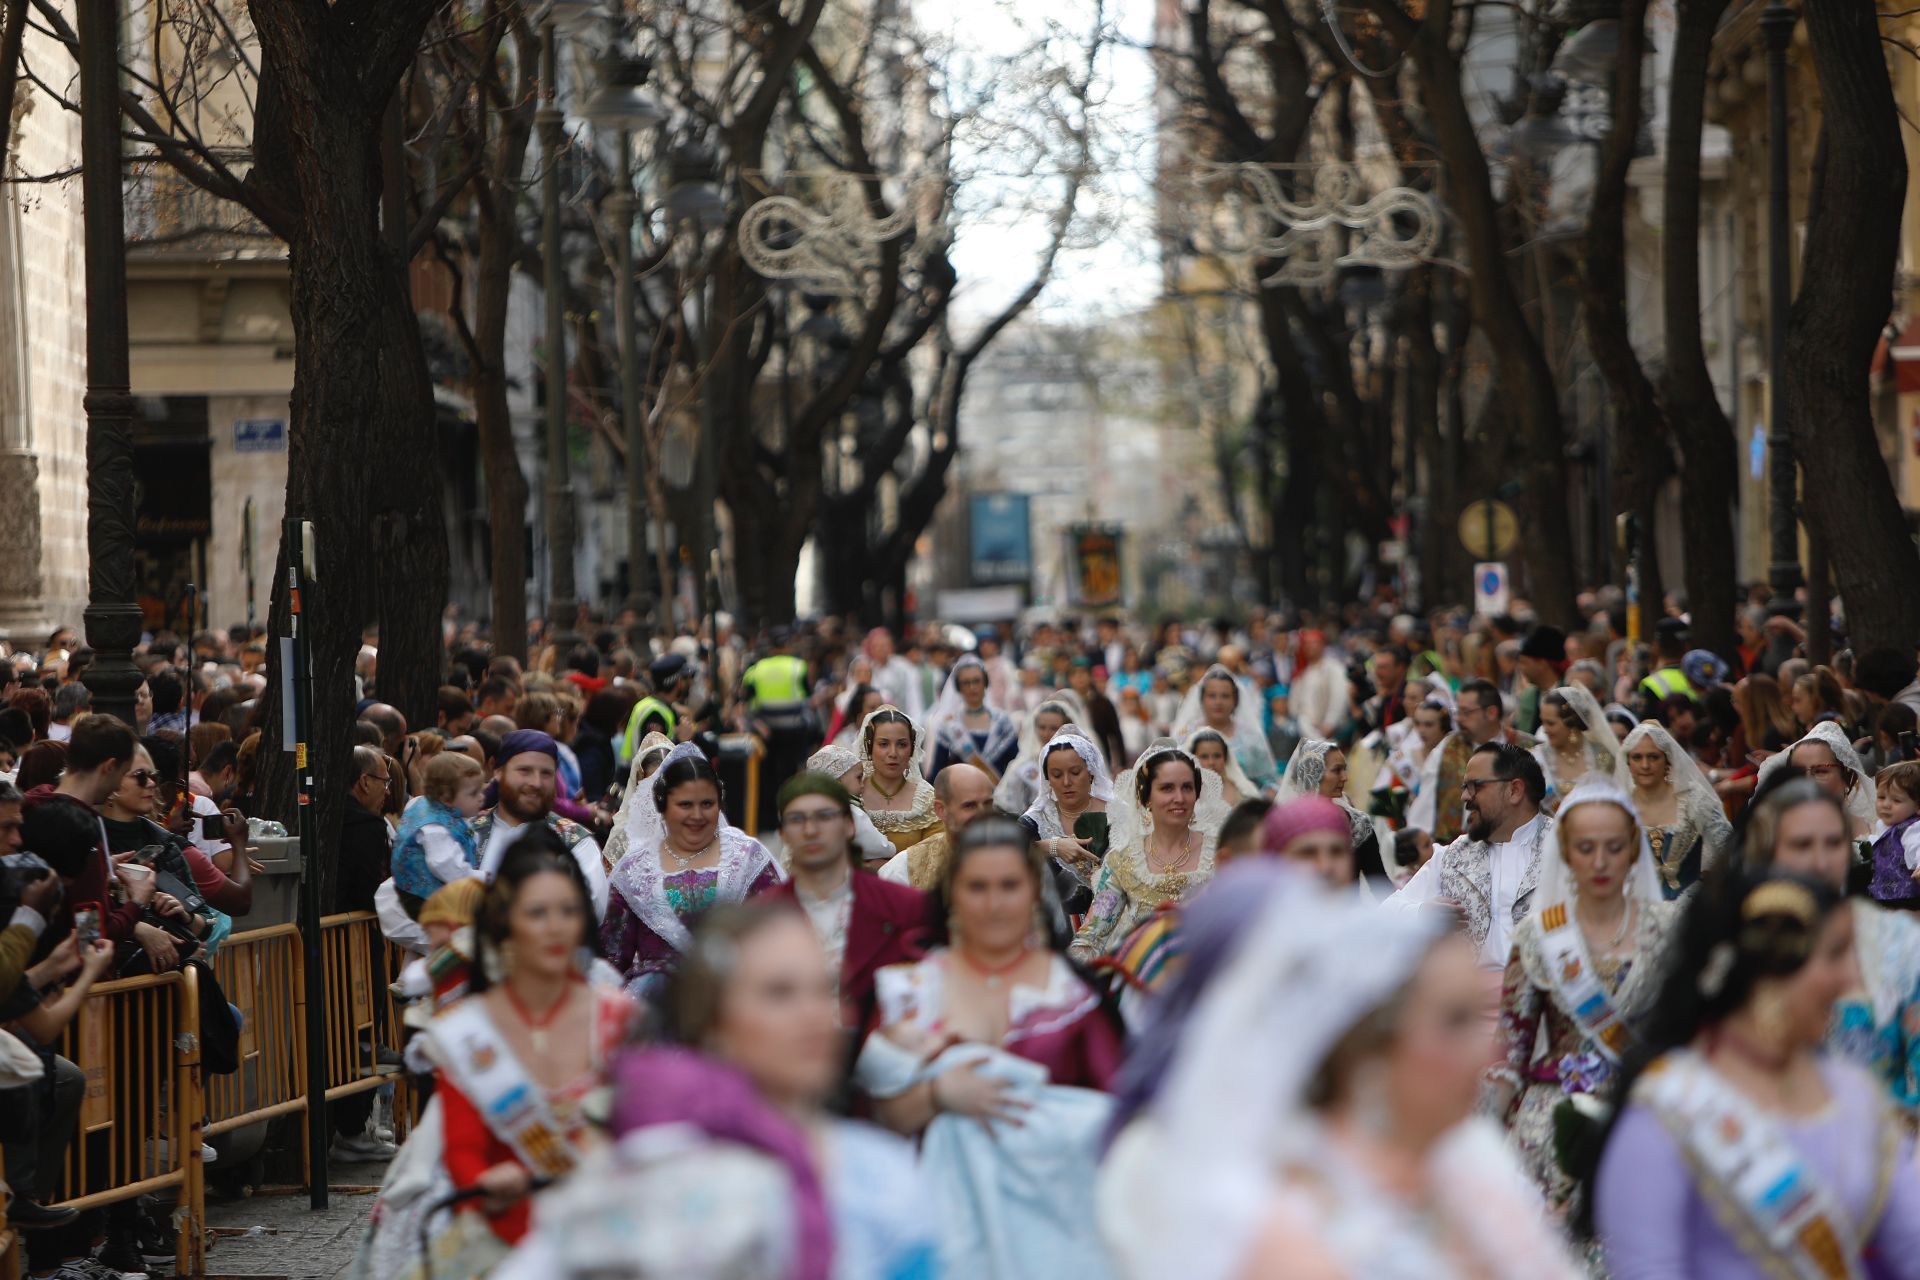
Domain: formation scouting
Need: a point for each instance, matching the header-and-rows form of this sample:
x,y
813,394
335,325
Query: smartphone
x,y
86,924
213,826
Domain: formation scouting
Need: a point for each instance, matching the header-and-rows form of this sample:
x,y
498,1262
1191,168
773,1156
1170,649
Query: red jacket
x,y
887,926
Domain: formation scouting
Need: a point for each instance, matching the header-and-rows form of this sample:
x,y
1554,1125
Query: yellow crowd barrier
x,y
147,1109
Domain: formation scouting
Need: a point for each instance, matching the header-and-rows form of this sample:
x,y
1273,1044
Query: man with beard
x,y
527,763
1489,873
864,922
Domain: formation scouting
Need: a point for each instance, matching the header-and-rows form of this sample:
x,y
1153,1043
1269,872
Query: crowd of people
x,y
1359,946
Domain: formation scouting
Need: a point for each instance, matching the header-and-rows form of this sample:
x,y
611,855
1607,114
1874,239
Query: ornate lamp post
x,y
112,618
622,105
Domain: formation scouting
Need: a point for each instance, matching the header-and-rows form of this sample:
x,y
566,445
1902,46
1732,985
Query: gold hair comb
x,y
1780,898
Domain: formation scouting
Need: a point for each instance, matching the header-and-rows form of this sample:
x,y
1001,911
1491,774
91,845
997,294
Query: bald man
x,y
961,793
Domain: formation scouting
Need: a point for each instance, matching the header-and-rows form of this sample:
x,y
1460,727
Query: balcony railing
x,y
167,213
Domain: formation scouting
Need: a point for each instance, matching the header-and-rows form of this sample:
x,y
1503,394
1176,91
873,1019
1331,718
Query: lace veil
x,y
1682,772
1234,1105
864,750
1860,807
1598,733
1306,767
1247,722
655,746
1129,822
1556,881
1044,812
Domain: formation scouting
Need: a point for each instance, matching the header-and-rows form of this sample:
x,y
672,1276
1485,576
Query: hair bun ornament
x,y
1714,973
1780,898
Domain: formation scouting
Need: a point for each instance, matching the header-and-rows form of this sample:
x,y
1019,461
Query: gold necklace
x,y
1186,851
875,780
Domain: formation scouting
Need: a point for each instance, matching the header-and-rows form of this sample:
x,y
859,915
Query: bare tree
x,y
1846,288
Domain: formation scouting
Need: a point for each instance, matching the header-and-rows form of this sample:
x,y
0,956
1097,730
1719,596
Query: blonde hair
x,y
446,773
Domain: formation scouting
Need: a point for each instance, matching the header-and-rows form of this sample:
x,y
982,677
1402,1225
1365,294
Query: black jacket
x,y
366,856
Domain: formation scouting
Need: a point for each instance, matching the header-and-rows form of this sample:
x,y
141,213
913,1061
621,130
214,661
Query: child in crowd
x,y
1896,852
434,845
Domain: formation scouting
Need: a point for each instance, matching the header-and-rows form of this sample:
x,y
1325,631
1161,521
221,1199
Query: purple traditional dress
x,y
1681,1196
652,912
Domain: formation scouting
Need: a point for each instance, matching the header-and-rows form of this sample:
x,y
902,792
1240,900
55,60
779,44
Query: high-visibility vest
x,y
644,710
777,680
1667,681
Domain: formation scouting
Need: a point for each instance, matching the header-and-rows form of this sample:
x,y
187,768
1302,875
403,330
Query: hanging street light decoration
x,y
832,242
1306,240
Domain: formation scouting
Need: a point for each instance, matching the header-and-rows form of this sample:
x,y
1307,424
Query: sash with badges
x,y
1781,1214
471,1050
1577,986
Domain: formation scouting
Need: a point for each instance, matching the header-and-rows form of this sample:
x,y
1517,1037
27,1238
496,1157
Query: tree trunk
x,y
1709,465
1523,373
1642,461
363,463
1846,287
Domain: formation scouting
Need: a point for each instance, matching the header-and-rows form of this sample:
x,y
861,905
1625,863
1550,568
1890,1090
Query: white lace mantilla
x,y
642,881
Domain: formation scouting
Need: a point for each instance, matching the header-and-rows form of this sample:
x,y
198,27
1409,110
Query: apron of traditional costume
x,y
1763,1194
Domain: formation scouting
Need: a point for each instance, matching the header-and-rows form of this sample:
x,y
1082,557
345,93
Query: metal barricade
x,y
146,1108
137,1042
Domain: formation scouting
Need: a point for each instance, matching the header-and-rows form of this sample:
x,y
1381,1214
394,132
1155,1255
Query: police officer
x,y
776,691
659,711
1669,678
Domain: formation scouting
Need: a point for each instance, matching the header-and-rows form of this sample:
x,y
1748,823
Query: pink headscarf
x,y
1302,816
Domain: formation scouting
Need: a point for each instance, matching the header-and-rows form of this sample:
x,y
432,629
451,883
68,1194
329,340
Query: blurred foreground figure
x,y
1303,1106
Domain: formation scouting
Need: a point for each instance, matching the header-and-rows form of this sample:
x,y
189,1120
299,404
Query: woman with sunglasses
x,y
179,921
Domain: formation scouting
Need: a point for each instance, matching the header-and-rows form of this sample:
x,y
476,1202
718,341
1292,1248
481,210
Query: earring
x,y
1771,1019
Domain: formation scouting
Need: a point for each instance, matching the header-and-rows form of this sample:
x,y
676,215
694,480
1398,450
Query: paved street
x,y
274,1234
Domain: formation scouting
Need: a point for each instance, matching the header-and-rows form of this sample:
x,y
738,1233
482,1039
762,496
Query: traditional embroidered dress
x,y
1697,840
1547,1027
1492,885
1700,1182
1127,890
907,827
1247,735
486,1108
1878,1027
1015,1202
1447,765
1043,818
956,741
1225,1136
652,912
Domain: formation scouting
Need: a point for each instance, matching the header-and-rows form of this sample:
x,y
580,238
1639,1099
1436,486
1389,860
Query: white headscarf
x,y
835,762
1306,767
1859,803
1234,1103
641,879
1598,733
1556,880
946,722
1682,772
652,747
1129,823
1246,708
1044,812
1233,773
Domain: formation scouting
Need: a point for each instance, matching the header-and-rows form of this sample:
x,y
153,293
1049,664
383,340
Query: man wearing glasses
x,y
863,922
1489,873
1479,717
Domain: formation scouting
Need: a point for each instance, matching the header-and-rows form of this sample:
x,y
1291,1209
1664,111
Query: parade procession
x,y
959,640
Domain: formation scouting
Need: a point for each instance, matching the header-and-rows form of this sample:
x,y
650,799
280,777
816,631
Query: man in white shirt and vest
x,y
1489,873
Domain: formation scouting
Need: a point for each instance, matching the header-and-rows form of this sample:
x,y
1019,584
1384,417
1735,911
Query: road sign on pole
x,y
1492,592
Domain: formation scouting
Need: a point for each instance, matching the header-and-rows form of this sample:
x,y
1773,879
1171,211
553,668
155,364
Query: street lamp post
x,y
562,605
111,616
1783,534
621,104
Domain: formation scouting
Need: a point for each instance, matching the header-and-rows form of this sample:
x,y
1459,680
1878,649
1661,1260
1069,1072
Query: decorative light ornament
x,y
831,243
1309,240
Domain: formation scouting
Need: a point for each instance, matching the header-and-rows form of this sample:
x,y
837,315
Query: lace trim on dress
x,y
641,880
